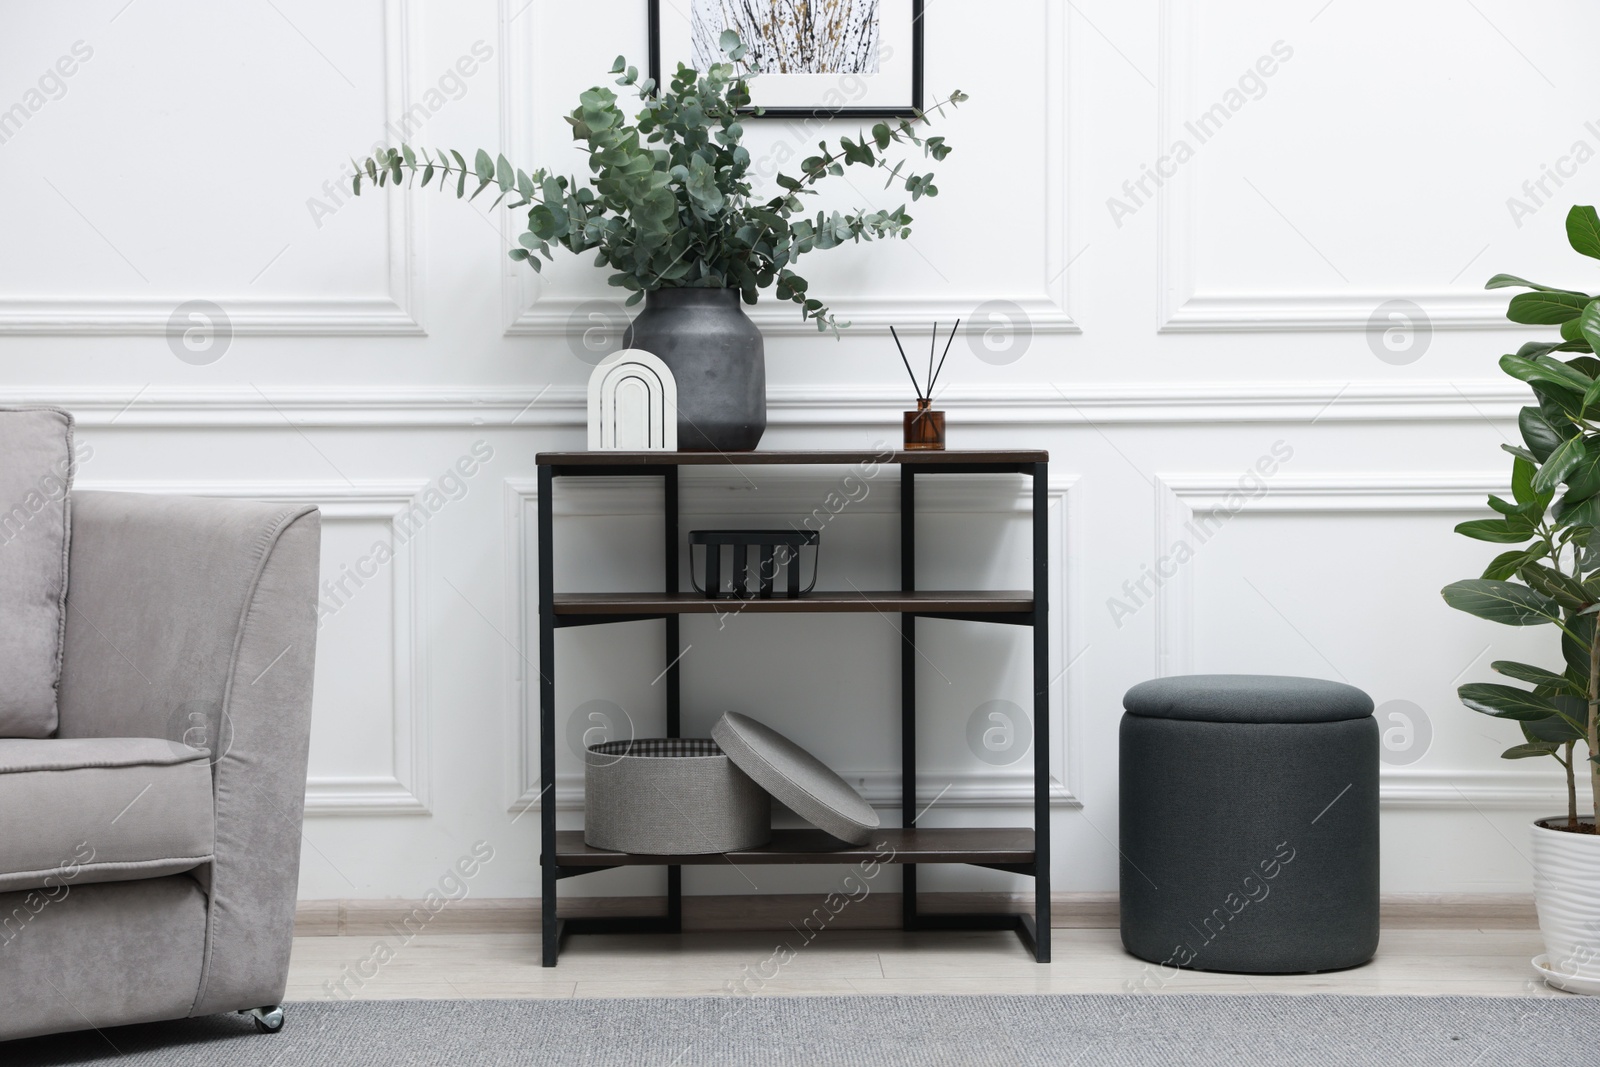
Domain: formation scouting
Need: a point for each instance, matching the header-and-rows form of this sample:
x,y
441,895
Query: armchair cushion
x,y
35,474
101,809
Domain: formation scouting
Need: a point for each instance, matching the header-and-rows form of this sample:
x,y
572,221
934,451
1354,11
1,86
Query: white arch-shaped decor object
x,y
633,403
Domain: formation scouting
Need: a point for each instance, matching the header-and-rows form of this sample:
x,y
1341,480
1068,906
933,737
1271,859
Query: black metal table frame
x,y
1034,930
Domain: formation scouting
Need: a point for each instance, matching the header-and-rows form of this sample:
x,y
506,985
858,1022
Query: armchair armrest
x,y
194,619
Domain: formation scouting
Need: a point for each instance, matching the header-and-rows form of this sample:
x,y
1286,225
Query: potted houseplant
x,y
1552,576
670,208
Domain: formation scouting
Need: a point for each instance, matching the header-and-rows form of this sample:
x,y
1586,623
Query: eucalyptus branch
x,y
832,162
668,201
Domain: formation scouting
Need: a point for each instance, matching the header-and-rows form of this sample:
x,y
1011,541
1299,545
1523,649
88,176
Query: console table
x,y
563,853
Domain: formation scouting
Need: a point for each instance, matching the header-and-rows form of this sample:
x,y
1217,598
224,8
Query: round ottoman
x,y
1249,824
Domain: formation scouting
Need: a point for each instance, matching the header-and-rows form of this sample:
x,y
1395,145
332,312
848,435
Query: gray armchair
x,y
150,847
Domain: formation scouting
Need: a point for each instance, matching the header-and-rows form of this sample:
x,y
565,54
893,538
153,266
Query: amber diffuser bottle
x,y
924,427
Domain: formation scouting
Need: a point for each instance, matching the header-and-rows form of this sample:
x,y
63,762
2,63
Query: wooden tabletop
x,y
931,458
1001,602
983,844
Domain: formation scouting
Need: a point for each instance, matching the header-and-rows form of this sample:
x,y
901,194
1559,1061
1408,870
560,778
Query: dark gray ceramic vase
x,y
718,361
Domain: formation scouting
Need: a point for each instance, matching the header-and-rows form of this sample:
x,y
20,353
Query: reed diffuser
x,y
924,427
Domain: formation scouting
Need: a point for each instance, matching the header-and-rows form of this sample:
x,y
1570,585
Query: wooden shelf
x,y
999,602
982,845
657,458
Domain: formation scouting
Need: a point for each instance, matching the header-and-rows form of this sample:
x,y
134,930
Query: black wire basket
x,y
757,558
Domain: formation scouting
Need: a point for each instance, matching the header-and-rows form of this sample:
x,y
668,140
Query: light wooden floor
x,y
1480,962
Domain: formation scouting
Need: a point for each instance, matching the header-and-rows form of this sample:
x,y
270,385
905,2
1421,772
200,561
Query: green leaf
x,y
1503,602
1506,564
1532,748
1588,325
1520,453
1505,507
1497,531
1526,672
1567,724
1579,512
1502,281
1546,369
1505,701
1541,437
619,65
1562,462
1575,645
1545,308
483,166
1566,591
1522,481
1583,230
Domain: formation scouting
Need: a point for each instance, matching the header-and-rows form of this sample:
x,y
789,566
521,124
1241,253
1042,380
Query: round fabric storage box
x,y
671,797
1249,824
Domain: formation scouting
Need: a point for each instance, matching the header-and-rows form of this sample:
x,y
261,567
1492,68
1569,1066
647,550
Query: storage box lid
x,y
796,777
1264,698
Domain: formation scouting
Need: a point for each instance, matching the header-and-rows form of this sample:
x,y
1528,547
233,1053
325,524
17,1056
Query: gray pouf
x,y
1249,824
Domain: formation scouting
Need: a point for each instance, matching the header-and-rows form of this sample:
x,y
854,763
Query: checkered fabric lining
x,y
658,747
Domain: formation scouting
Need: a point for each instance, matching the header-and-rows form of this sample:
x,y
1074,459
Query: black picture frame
x,y
821,112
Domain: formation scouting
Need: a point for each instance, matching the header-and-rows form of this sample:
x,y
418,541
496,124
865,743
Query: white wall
x,y
1168,343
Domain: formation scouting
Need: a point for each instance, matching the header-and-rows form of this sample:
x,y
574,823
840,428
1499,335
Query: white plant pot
x,y
1566,888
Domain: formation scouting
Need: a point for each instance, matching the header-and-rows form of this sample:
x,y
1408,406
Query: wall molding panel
x,y
1179,498
1185,306
396,314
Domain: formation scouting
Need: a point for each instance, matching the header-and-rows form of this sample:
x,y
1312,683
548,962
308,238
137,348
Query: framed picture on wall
x,y
817,58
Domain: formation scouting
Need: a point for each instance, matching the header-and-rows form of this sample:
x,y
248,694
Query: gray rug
x,y
1059,1031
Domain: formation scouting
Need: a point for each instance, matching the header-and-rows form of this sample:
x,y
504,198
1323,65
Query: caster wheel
x,y
268,1020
